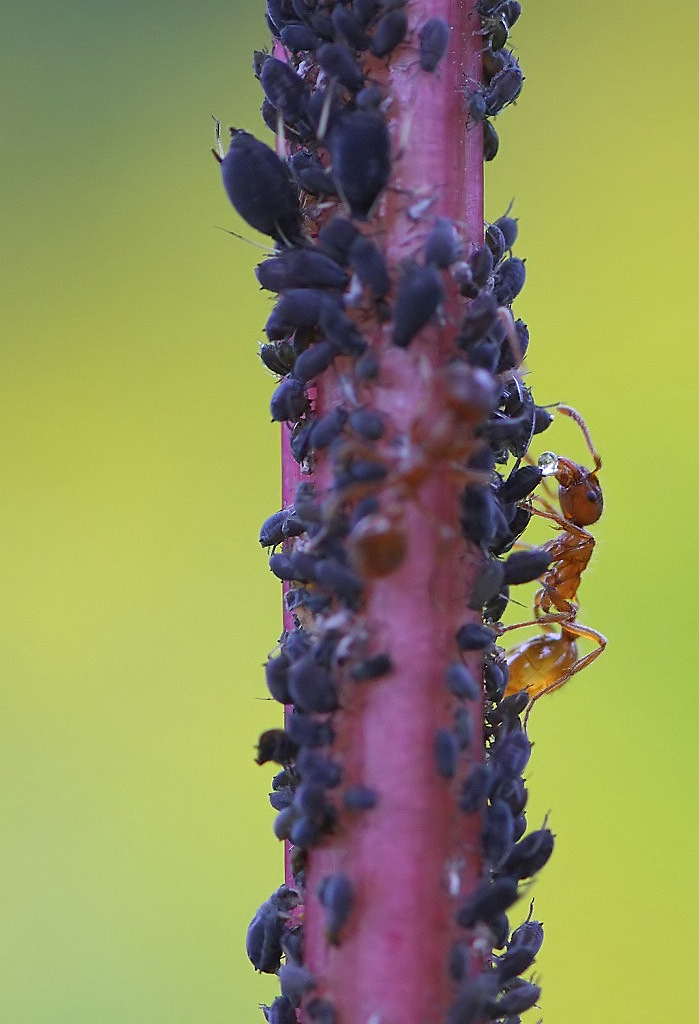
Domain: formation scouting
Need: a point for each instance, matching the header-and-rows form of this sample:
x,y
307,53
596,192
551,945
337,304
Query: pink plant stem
x,y
414,858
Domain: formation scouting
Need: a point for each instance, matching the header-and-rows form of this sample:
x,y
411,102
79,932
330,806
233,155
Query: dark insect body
x,y
260,188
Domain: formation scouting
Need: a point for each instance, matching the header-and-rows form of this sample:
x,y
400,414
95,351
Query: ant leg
x,y
568,410
564,524
562,617
586,633
543,502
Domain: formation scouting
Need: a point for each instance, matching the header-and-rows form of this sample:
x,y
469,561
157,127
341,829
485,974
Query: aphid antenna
x,y
258,245
279,137
325,112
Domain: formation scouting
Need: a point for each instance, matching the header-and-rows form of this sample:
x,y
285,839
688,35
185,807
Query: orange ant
x,y
544,663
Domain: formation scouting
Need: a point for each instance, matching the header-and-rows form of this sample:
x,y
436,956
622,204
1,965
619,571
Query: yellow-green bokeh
x,y
138,462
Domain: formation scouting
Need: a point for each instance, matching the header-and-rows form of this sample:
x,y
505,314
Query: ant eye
x,y
592,495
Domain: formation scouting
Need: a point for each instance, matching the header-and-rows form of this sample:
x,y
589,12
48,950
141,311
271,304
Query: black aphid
x,y
373,667
367,424
497,832
321,1011
489,899
310,175
488,584
419,294
300,37
276,677
311,687
503,89
276,745
360,150
340,581
463,728
260,188
495,677
338,62
509,280
510,755
309,732
365,10
359,798
289,400
513,792
297,307
459,961
524,566
491,142
263,940
306,505
369,264
367,367
336,238
530,854
286,568
519,484
389,33
481,265
341,331
495,240
462,683
295,980
336,896
481,517
280,1012
317,769
314,361
278,527
446,752
514,962
349,28
285,90
479,318
529,935
508,226
278,356
474,637
516,1001
475,789
434,39
281,799
442,245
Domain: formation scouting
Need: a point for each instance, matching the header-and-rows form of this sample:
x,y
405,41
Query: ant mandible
x,y
544,663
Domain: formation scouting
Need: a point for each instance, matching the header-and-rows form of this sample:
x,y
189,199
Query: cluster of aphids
x,y
337,296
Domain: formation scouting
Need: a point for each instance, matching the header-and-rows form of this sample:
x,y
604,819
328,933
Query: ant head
x,y
579,493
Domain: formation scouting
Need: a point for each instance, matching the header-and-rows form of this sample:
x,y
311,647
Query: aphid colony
x,y
341,306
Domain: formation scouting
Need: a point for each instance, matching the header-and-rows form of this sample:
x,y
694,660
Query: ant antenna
x,y
568,410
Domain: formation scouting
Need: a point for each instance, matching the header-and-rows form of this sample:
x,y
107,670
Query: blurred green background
x,y
138,461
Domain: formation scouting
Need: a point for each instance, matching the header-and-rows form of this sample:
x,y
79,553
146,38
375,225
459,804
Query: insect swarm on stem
x,y
406,420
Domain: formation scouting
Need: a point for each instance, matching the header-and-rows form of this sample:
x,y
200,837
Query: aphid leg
x,y
568,410
218,151
325,112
